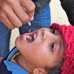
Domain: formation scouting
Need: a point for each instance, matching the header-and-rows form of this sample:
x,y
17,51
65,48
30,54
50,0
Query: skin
x,y
43,49
13,13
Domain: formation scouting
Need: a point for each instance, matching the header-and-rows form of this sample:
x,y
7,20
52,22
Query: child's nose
x,y
44,33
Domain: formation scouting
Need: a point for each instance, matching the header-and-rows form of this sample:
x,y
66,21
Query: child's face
x,y
42,47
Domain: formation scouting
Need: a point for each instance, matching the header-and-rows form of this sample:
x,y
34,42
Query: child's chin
x,y
54,65
57,66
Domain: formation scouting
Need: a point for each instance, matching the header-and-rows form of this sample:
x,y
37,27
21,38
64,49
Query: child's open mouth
x,y
30,37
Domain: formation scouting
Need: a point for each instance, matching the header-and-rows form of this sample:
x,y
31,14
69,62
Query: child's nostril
x,y
52,47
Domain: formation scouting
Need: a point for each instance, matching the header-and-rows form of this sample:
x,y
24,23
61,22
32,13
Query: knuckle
x,y
10,1
32,8
1,15
25,19
5,8
2,2
9,25
17,25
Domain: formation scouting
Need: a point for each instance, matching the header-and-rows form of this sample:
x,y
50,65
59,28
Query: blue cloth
x,y
42,18
7,66
14,68
4,40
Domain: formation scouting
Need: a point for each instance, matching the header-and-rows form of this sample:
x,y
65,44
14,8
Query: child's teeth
x,y
24,37
34,36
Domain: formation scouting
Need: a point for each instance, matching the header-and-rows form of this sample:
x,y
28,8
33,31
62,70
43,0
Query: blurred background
x,y
57,15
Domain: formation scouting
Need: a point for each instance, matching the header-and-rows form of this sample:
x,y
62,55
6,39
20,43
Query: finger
x,y
35,71
23,16
39,71
2,2
29,6
12,16
5,20
42,71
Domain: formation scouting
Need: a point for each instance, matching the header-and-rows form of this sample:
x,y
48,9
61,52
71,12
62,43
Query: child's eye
x,y
54,31
51,47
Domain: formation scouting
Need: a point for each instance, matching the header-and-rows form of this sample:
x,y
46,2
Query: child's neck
x,y
24,64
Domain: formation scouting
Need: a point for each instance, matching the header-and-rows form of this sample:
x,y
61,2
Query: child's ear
x,y
39,71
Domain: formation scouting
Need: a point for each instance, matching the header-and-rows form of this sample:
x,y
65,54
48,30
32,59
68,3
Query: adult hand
x,y
13,13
